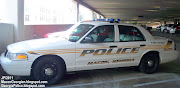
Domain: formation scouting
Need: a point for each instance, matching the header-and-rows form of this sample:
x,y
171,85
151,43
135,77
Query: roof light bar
x,y
99,19
108,20
105,20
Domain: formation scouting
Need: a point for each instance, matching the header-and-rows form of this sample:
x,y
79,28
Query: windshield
x,y
75,33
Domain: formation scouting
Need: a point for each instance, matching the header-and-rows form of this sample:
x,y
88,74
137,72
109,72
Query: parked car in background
x,y
54,34
169,26
144,26
175,29
158,28
149,29
163,27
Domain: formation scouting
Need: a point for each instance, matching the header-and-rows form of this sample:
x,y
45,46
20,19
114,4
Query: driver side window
x,y
102,34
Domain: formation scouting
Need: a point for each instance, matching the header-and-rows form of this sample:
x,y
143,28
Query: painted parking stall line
x,y
174,78
156,82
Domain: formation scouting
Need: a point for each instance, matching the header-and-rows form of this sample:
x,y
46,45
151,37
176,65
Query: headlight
x,y
17,56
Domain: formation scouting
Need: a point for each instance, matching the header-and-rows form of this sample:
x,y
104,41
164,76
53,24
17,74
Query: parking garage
x,y
22,20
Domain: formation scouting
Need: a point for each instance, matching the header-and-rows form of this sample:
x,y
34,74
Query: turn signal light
x,y
21,57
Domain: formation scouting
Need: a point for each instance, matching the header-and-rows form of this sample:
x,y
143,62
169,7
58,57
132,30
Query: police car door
x,y
95,48
130,42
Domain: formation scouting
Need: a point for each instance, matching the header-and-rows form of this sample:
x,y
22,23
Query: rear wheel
x,y
165,31
149,63
49,69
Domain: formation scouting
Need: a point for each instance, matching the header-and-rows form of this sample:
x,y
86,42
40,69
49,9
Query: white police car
x,y
88,45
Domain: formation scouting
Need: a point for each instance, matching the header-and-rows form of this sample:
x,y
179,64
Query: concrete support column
x,y
164,22
77,11
19,33
12,11
176,21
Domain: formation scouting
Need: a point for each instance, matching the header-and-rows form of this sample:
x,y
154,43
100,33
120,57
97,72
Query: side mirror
x,y
88,40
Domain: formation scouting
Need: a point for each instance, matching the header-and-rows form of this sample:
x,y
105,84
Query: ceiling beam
x,y
86,5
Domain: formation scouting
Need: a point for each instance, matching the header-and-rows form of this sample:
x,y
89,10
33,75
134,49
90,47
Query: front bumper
x,y
167,56
19,68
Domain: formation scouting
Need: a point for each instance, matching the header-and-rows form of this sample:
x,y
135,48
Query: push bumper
x,y
19,68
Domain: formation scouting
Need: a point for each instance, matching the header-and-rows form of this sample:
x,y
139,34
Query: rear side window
x,y
130,33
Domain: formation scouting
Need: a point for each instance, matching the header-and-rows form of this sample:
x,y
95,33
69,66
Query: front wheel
x,y
149,63
165,31
49,69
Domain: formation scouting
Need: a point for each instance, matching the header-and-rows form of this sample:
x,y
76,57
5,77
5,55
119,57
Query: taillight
x,y
46,36
150,33
175,29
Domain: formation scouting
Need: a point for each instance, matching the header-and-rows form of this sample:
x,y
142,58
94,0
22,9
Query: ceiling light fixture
x,y
157,7
151,10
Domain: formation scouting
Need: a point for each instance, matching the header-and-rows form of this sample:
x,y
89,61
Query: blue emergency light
x,y
111,20
118,20
99,19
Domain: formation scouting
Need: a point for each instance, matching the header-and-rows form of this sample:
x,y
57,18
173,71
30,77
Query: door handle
x,y
112,46
142,45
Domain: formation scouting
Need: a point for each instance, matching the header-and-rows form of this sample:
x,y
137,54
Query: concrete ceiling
x,y
151,10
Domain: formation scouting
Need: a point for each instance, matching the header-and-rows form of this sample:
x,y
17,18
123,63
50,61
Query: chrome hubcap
x,y
150,63
49,71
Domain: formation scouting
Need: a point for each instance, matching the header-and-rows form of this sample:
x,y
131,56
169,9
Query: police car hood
x,y
40,44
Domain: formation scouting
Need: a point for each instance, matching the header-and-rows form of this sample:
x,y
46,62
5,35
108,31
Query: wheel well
x,y
39,58
155,52
164,30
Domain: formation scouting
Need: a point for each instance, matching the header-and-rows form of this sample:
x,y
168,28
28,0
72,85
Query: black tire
x,y
165,30
49,68
149,63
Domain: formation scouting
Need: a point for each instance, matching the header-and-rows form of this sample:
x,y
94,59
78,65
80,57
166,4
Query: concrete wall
x,y
6,35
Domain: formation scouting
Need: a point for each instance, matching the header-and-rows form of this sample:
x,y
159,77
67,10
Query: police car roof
x,y
97,23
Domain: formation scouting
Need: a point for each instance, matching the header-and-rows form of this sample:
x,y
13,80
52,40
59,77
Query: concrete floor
x,y
126,79
167,76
